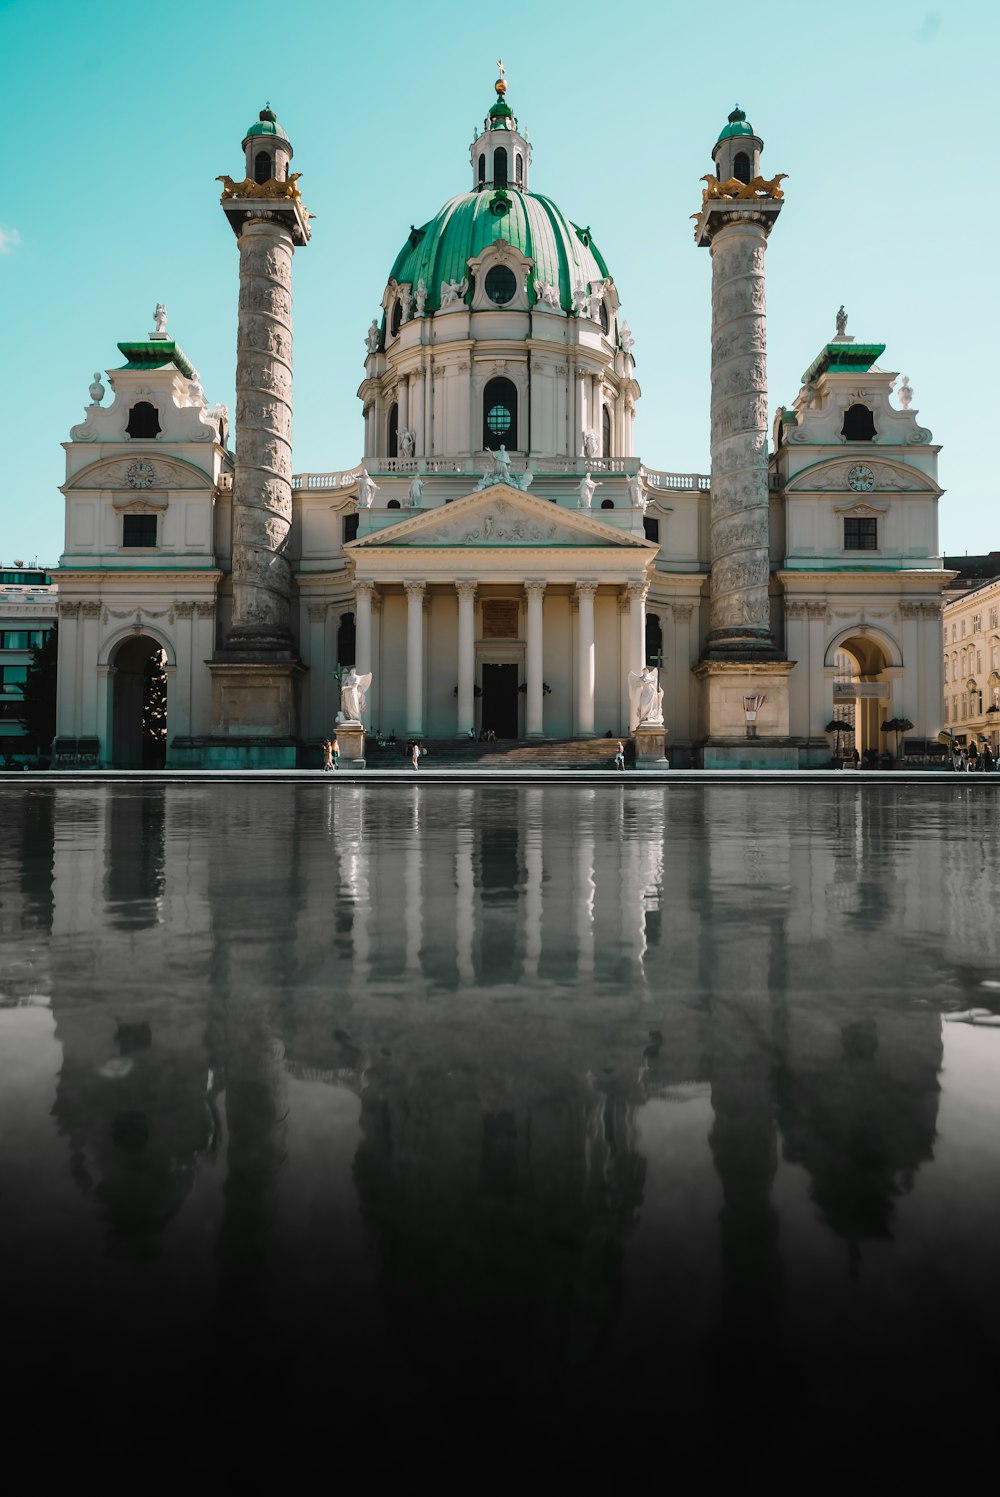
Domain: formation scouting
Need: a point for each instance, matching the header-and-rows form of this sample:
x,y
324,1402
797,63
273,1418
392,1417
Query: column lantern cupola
x,y
501,155
268,149
736,153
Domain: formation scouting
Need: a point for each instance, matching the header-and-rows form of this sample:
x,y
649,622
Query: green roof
x,y
737,125
155,354
839,357
266,124
468,223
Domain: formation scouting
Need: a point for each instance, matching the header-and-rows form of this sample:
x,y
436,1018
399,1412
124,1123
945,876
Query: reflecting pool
x,y
382,1124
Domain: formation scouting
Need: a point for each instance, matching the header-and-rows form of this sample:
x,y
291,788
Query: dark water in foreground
x,y
426,1127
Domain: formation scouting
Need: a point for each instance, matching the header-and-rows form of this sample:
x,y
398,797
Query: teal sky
x,y
120,117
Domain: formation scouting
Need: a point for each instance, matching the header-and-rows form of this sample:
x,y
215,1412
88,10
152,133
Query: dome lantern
x,y
736,153
268,149
500,155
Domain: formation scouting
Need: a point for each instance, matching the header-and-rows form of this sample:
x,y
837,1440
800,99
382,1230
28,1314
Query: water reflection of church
x,y
494,1105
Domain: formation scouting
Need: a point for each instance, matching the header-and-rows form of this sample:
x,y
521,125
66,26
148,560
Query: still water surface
x,y
620,1119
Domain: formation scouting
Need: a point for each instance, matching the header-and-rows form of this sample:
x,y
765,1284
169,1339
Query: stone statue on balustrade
x,y
646,697
453,292
637,492
371,337
353,691
407,441
421,297
415,493
367,489
159,321
625,338
590,445
587,487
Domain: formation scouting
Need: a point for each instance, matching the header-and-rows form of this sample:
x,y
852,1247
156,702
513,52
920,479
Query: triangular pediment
x,y
500,516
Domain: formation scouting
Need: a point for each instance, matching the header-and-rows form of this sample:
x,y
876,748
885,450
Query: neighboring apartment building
x,y
971,628
28,604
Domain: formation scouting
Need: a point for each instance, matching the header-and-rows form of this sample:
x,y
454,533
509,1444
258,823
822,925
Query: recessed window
x,y
262,167
500,284
393,504
143,420
12,678
500,167
350,527
346,639
499,414
482,170
860,534
392,431
519,168
605,429
859,424
397,317
138,530
604,319
651,529
741,166
607,504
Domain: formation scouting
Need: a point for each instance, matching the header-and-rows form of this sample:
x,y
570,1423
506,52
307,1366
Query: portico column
x,y
637,625
585,659
466,656
414,658
363,626
533,725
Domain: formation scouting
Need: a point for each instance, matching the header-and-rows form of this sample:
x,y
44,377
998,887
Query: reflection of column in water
x,y
413,906
352,855
585,885
533,866
465,879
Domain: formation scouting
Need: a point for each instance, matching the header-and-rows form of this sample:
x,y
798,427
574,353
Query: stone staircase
x,y
511,753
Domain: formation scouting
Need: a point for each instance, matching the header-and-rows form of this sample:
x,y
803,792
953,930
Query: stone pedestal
x,y
725,744
255,714
351,737
649,748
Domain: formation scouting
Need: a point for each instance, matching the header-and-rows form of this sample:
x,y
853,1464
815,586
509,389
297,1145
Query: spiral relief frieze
x,y
262,495
739,513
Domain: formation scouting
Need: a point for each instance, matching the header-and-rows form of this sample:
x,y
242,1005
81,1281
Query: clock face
x,y
861,479
140,475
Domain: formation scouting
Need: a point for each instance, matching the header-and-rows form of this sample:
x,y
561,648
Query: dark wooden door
x,y
500,700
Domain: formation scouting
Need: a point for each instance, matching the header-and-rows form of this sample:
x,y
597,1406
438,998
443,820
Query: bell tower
x,y
255,676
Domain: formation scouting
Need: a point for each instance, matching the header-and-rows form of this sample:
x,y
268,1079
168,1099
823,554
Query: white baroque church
x,y
500,559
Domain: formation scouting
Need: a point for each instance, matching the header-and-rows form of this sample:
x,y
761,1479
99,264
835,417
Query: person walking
x,y
327,755
988,759
414,754
619,759
335,752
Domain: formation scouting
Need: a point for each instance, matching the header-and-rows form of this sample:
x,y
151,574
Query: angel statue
x,y
160,321
353,690
646,698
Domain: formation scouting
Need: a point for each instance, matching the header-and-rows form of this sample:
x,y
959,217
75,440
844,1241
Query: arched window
x,y
605,431
346,638
859,424
262,166
143,420
499,415
397,317
741,166
519,168
500,167
604,319
482,169
393,504
392,431
607,504
654,640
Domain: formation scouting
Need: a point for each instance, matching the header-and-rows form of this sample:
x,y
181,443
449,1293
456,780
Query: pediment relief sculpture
x,y
836,477
130,474
500,516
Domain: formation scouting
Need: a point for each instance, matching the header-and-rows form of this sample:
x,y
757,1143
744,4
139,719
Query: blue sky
x,y
121,116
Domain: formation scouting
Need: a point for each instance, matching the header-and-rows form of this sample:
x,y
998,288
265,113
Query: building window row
x,y
23,639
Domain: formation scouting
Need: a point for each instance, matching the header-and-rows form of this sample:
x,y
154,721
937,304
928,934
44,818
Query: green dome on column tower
x,y
737,125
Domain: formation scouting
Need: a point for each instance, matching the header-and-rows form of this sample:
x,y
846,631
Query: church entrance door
x,y
500,700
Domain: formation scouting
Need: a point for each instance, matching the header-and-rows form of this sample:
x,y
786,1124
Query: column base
x,y
255,699
351,737
723,722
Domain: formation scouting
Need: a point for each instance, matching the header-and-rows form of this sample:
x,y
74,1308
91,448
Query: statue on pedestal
x,y
646,697
587,487
421,297
637,492
367,489
353,690
415,496
407,441
371,337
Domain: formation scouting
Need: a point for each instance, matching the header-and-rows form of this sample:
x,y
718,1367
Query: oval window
x,y
500,285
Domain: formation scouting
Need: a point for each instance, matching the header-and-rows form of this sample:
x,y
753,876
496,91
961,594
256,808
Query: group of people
x,y
331,753
973,760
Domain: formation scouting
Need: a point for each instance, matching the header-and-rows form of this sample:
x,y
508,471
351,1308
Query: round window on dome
x,y
500,285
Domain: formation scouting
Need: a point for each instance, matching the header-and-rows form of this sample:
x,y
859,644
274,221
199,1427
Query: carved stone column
x,y
534,657
585,659
466,590
262,491
363,626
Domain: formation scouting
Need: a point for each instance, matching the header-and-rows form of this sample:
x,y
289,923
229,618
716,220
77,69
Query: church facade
x,y
500,560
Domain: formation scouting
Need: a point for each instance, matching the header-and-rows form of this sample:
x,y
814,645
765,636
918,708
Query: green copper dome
x,y
441,249
266,124
737,125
